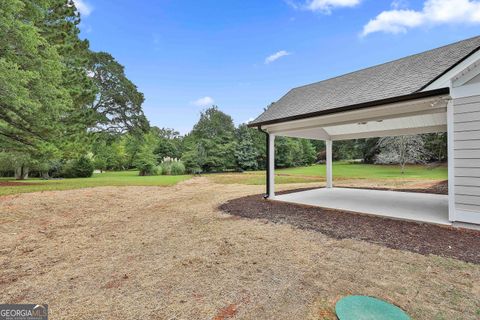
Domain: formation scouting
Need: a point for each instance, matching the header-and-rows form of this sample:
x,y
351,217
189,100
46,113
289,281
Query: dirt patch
x,y
17,184
171,254
421,238
228,312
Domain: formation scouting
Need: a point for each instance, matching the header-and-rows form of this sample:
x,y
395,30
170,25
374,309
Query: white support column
x,y
271,166
451,161
329,175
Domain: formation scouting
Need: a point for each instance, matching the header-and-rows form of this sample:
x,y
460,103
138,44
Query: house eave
x,y
369,104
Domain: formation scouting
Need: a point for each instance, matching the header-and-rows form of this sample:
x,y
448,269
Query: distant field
x,y
341,170
315,173
362,171
123,178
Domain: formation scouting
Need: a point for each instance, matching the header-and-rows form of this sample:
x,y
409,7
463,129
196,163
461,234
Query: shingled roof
x,y
396,80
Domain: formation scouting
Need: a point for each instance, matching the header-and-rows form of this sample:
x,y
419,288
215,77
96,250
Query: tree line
x,y
215,144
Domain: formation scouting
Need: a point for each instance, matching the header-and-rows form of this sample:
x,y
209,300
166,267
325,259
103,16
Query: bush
x,y
158,170
172,167
78,168
177,168
146,163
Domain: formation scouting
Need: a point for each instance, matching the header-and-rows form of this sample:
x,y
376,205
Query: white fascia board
x,y
445,80
459,83
466,75
391,111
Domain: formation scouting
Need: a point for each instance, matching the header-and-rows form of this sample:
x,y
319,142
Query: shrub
x,y
158,171
172,167
177,168
146,163
78,168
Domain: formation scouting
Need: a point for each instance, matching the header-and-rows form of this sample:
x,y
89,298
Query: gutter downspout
x,y
267,167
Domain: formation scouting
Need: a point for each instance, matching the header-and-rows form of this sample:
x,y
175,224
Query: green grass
x,y
315,173
123,178
363,171
341,170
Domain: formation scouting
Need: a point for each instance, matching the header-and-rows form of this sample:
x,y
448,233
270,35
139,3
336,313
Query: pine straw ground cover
x,y
169,253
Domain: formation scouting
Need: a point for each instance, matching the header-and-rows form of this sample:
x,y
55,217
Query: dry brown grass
x,y
168,253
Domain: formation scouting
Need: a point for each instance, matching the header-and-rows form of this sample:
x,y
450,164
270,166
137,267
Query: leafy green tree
x,y
118,103
103,154
211,142
82,167
245,152
436,146
145,160
170,143
308,152
32,98
367,149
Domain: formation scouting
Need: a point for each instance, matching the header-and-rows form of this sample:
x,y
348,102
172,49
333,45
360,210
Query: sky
x,y
241,55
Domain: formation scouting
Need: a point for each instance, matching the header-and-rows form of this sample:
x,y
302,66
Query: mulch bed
x,y
416,237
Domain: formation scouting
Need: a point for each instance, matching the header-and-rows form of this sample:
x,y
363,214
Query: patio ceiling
x,y
426,115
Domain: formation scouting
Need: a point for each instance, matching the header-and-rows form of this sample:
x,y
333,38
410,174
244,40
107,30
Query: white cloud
x,y
399,4
276,56
328,5
203,102
433,12
83,7
324,6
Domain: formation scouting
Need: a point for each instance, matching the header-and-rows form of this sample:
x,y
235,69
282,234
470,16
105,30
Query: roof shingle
x,y
389,80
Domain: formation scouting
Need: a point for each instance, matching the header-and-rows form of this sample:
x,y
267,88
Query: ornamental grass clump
x,y
172,167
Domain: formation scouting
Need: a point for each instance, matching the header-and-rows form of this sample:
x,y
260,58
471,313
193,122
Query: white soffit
x,y
429,114
421,121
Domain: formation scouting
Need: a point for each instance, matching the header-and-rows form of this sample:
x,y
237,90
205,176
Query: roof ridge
x,y
392,61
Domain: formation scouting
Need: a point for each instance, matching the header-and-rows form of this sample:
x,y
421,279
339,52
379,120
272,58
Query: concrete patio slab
x,y
424,207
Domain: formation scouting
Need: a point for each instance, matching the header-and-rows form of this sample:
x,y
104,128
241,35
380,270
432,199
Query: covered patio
x,y
423,207
421,115
434,91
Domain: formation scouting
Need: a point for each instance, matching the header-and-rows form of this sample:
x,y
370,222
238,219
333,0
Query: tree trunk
x,y
21,173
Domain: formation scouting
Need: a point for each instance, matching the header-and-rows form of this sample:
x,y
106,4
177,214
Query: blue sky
x,y
243,54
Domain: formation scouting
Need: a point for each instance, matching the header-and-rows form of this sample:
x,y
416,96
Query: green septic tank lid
x,y
368,308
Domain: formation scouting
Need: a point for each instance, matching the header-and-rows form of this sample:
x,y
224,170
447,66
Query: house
x,y
434,91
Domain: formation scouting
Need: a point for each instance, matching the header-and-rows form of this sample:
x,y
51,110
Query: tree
x,y
170,143
288,152
436,145
401,150
32,98
145,160
308,152
103,153
367,149
211,143
245,152
118,103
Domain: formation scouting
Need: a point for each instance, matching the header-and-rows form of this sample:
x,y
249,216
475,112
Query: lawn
x,y
310,174
345,170
122,178
95,253
341,171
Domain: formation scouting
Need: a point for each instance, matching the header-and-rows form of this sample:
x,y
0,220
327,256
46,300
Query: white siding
x,y
467,153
